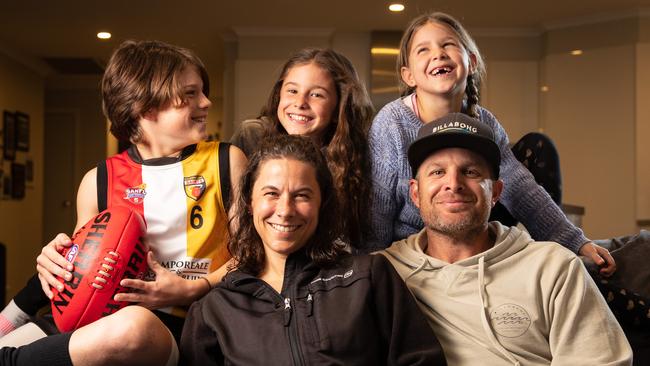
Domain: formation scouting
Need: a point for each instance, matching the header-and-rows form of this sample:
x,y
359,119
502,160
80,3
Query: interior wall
x,y
356,47
22,89
254,81
642,133
643,124
511,86
512,95
228,88
589,111
213,63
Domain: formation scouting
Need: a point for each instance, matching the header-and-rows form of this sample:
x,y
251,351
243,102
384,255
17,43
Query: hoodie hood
x,y
410,251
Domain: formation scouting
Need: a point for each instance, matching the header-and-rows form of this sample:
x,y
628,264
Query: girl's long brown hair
x,y
345,140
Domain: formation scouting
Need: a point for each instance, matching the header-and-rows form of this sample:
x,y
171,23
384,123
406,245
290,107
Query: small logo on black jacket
x,y
344,275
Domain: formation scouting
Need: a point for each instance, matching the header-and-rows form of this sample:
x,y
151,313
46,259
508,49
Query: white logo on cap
x,y
454,126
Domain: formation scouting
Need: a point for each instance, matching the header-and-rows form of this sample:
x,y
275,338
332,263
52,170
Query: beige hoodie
x,y
520,303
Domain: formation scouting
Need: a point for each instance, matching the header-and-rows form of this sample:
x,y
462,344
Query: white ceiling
x,y
67,28
36,29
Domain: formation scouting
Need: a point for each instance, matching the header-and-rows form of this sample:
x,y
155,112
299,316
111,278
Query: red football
x,y
104,251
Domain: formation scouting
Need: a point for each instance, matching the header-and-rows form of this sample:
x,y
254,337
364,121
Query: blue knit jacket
x,y
394,216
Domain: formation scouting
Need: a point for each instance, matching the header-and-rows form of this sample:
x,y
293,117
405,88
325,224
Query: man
x,y
492,294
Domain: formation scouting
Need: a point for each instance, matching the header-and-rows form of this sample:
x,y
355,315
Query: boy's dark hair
x,y
246,245
143,75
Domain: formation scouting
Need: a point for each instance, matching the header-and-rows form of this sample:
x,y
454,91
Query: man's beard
x,y
462,229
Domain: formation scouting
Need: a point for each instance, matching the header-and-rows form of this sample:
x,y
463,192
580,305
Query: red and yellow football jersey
x,y
181,202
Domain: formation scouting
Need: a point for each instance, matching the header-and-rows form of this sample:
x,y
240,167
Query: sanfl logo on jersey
x,y
194,186
136,194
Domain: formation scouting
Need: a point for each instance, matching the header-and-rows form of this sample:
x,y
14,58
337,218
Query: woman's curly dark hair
x,y
245,244
345,140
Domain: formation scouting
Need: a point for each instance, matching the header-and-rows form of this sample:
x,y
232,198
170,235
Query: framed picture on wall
x,y
9,133
29,170
6,187
22,131
17,181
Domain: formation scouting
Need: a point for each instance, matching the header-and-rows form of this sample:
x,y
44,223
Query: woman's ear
x,y
407,76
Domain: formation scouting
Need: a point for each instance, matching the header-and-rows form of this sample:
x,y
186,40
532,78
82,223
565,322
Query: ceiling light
x,y
544,88
576,52
396,7
384,51
103,35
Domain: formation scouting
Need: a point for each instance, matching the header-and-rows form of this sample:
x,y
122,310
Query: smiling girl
x,y
441,70
318,94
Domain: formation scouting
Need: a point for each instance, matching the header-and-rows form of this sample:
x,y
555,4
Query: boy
x,y
155,96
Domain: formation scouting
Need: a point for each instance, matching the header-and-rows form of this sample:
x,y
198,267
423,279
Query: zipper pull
x,y
310,302
287,311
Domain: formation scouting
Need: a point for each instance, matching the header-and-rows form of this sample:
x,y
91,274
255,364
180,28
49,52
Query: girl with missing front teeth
x,y
441,70
318,94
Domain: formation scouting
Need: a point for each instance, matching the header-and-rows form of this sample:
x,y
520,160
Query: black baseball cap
x,y
455,130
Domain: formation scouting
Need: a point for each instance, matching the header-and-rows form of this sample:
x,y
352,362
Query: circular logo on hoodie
x,y
510,320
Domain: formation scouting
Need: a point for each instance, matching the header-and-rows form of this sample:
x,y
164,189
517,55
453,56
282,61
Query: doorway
x,y
60,183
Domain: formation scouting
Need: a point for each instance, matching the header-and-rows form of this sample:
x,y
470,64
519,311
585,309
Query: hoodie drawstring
x,y
418,269
484,318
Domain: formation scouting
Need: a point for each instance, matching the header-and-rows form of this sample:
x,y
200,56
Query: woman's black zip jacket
x,y
358,312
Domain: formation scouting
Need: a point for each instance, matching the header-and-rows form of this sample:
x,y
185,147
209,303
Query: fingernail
x,y
69,267
60,287
68,276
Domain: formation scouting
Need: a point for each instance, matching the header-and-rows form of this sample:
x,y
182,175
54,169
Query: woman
x,y
295,294
318,94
